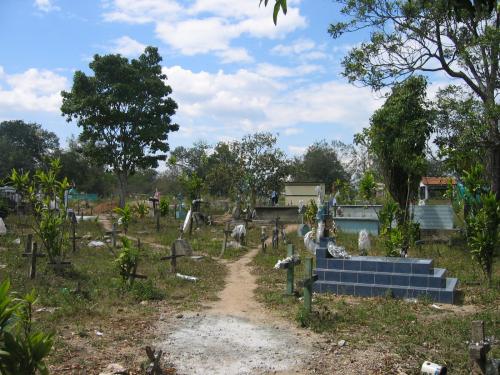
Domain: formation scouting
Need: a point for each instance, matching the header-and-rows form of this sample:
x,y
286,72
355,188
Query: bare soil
x,y
237,335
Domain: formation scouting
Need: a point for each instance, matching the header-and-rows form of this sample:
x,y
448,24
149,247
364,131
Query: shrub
x,y
45,194
125,216
127,260
141,210
164,206
22,348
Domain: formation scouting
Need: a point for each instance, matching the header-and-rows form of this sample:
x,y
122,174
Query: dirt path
x,y
237,335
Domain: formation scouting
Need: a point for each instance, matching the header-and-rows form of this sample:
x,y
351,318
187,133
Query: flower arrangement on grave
x,y
283,263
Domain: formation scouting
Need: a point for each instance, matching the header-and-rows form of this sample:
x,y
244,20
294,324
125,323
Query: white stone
x,y
114,368
96,244
3,228
364,245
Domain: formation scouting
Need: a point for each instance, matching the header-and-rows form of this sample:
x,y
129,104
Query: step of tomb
x,y
434,280
375,264
441,295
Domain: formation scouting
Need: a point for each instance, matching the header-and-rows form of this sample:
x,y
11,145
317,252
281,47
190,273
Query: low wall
x,y
360,210
287,214
356,224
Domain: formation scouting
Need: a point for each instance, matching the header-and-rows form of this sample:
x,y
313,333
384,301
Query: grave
x,y
368,276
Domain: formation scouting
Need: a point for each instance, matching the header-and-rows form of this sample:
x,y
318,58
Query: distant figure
x,y
274,198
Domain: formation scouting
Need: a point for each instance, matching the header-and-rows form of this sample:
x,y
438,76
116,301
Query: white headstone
x,y
3,228
364,242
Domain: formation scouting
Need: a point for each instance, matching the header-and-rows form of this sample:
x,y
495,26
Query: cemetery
x,y
142,246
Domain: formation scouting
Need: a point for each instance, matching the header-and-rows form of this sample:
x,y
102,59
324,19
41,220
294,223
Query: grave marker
x,y
289,264
227,232
308,283
263,238
33,254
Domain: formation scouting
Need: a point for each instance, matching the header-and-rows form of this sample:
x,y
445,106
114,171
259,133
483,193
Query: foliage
x,y
482,219
310,212
482,233
222,165
262,167
344,191
320,163
82,172
22,348
164,206
4,207
460,127
397,138
125,216
124,111
367,187
191,184
45,194
141,210
127,260
387,215
24,146
280,4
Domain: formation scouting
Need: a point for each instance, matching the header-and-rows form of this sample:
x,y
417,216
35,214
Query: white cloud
x,y
205,26
127,46
247,101
33,90
277,71
46,6
303,49
233,55
297,150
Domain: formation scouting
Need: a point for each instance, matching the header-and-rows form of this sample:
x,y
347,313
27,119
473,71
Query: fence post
x,y
308,284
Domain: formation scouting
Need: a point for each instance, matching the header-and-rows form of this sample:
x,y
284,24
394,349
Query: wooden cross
x,y
307,283
227,232
73,231
275,240
33,254
29,244
263,238
173,258
154,367
289,265
134,275
478,348
113,234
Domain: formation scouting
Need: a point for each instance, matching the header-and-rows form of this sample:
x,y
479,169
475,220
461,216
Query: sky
x,y
232,71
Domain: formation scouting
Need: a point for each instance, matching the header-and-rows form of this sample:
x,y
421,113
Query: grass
x,y
414,331
90,296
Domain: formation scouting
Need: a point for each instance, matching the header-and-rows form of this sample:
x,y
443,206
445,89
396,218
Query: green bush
x,y
146,290
164,206
125,216
127,260
22,348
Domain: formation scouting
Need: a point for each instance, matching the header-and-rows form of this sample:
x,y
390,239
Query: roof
x,y
305,183
438,181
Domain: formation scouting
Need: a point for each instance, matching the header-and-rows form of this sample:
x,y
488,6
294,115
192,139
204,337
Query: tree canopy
x,y
124,111
320,163
24,146
397,137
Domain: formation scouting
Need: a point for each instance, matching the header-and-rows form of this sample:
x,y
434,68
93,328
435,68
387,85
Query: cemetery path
x,y
237,335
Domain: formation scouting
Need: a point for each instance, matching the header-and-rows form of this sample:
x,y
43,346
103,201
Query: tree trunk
x,y
123,184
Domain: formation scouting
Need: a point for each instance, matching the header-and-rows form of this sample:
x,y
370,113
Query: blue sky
x,y
231,70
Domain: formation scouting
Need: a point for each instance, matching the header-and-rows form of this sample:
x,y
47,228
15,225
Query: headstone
x,y
182,247
303,229
363,242
3,228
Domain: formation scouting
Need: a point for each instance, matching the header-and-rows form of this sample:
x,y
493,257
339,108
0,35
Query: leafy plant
x,y
141,209
164,206
125,216
310,212
22,348
45,194
367,187
127,260
482,233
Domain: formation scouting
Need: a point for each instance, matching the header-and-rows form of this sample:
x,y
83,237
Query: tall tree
x,y
460,129
222,164
262,166
124,111
397,137
320,163
24,146
458,37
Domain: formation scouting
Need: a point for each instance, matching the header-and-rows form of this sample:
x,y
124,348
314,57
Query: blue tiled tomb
x,y
367,276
